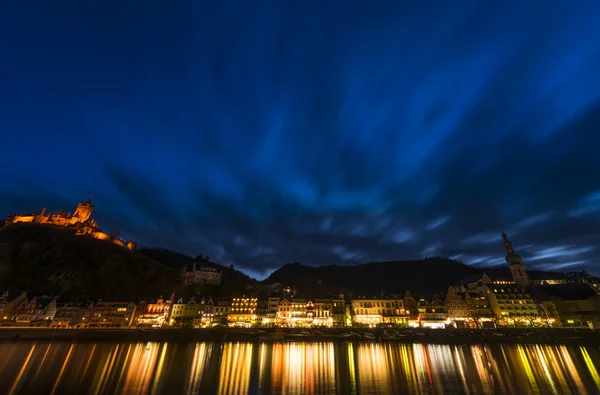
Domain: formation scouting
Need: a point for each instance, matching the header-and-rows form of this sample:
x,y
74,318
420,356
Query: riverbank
x,y
511,336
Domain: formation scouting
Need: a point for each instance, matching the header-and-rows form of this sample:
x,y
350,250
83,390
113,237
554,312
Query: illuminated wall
x,y
184,314
23,218
112,314
377,311
101,235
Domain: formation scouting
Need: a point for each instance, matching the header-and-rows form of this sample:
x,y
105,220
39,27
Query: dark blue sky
x,y
266,132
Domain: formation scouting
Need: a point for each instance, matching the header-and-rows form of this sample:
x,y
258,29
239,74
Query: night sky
x,y
261,133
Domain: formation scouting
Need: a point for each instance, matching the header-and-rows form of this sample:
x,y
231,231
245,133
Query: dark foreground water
x,y
297,368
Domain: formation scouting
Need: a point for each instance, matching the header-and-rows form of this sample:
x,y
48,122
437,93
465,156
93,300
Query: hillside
x,y
50,259
54,260
233,280
426,276
172,259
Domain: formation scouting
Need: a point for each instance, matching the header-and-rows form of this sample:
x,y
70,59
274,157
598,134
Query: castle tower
x,y
517,270
39,217
83,212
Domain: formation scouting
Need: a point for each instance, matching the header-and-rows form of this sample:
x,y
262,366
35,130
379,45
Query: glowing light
x,y
290,368
62,370
22,371
542,360
234,375
528,370
591,366
351,368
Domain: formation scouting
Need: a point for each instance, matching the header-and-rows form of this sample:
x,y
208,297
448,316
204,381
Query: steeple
x,y
517,270
511,257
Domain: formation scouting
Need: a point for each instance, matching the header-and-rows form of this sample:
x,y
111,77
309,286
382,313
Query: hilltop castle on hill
x,y
80,221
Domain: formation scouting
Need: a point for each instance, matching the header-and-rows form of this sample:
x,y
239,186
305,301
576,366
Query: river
x,y
297,368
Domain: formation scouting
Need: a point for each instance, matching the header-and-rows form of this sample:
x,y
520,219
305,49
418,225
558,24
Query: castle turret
x,y
517,269
40,217
83,212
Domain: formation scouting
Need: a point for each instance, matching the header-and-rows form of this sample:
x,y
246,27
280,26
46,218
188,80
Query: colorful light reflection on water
x,y
297,368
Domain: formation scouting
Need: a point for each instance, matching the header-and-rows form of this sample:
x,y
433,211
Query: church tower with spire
x,y
516,267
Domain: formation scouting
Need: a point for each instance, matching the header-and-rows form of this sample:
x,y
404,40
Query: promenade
x,y
402,335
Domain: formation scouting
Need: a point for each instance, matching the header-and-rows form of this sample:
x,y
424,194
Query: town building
x,y
207,312
295,312
185,314
301,314
262,310
310,312
481,314
221,311
112,314
9,302
570,304
411,307
432,313
468,309
322,310
508,293
70,315
202,272
153,314
339,315
270,318
512,304
36,310
585,278
456,305
284,312
243,311
376,311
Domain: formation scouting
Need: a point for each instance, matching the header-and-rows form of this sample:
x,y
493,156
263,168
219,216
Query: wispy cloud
x,y
376,130
535,219
402,236
346,254
431,250
587,205
561,266
262,250
561,252
436,223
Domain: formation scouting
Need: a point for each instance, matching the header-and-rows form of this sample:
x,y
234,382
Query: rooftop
x,y
574,291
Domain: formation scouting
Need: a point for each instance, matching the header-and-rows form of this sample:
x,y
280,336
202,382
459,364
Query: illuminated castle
x,y
80,221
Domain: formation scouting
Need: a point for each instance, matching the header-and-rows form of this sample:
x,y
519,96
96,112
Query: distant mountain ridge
x,y
425,276
54,260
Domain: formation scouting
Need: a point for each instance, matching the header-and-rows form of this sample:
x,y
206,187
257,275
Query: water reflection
x,y
298,368
292,368
234,375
